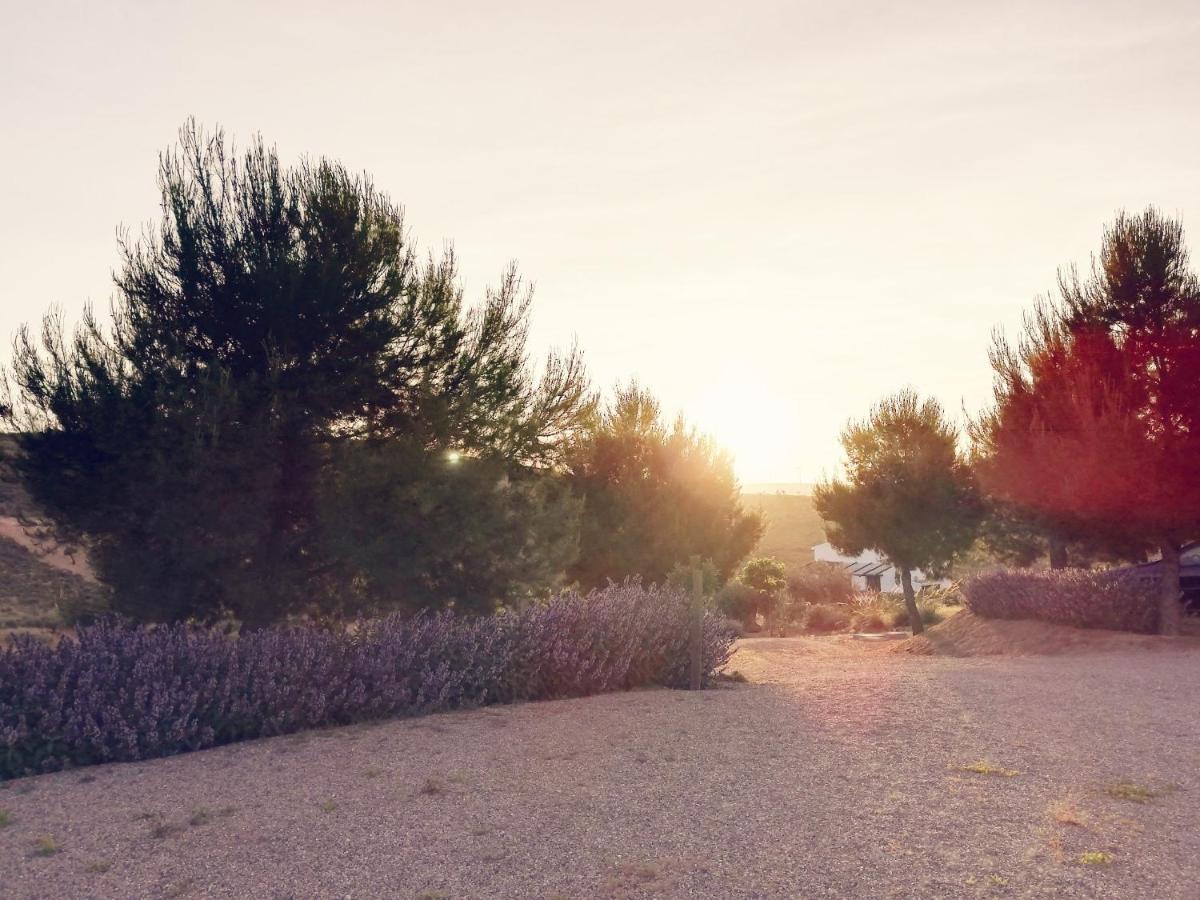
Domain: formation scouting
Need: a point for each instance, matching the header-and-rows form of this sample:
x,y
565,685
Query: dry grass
x,y
983,767
1132,792
46,846
1066,811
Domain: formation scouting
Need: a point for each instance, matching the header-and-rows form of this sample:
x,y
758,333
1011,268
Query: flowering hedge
x,y
1068,597
122,692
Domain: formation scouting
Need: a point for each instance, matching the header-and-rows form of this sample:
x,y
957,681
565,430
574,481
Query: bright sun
x,y
752,423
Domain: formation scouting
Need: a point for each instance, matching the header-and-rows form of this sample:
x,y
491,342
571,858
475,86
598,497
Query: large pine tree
x,y
274,331
1097,417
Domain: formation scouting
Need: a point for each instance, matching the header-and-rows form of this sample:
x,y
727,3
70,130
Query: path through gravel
x,y
834,773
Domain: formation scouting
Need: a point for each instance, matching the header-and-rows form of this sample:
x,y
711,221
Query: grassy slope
x,y
793,526
33,587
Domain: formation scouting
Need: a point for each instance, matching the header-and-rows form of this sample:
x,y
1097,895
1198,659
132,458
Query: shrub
x,y
827,617
737,601
120,692
938,595
821,582
1082,599
932,613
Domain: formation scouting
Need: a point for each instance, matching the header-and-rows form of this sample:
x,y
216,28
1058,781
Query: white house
x,y
871,571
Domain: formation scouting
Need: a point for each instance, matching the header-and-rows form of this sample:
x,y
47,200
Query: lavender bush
x,y
121,692
1078,598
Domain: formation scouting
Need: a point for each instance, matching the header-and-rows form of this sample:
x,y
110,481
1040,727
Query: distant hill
x,y
778,487
793,526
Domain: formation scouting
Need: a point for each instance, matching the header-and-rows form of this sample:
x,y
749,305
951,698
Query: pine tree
x,y
275,324
907,493
655,494
1096,423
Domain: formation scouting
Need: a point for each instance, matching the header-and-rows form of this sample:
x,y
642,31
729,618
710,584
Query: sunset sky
x,y
769,213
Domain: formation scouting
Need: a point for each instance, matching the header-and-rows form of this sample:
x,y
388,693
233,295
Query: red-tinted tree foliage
x,y
1097,420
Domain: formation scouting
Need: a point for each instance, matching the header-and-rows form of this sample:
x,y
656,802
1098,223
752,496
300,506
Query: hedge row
x,y
120,692
1115,600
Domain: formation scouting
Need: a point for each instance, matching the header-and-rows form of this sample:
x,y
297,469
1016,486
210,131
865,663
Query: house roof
x,y
868,568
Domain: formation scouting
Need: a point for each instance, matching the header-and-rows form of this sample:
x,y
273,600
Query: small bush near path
x,y
827,617
1080,599
120,692
820,582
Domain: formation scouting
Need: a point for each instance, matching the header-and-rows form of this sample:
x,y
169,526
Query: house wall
x,y
889,580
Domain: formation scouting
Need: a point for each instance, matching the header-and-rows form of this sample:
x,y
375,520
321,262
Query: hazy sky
x,y
770,213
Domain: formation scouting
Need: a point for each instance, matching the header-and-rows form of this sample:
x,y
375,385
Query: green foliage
x,y
908,493
763,574
273,340
423,530
738,601
654,496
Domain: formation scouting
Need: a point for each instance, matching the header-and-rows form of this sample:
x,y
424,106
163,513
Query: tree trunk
x,y
1058,552
1170,607
910,602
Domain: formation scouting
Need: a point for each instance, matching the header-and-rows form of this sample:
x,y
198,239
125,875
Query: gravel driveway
x,y
834,773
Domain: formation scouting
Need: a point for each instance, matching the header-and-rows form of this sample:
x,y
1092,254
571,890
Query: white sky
x,y
770,213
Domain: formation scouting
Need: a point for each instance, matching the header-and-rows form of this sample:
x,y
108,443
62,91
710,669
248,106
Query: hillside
x,y
793,526
37,582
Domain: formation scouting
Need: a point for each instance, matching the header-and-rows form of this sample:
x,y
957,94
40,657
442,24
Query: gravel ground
x,y
833,773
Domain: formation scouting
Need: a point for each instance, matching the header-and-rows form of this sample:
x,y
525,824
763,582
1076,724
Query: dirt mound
x,y
966,634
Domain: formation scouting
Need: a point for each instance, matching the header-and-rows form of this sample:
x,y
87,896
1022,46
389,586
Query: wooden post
x,y
696,636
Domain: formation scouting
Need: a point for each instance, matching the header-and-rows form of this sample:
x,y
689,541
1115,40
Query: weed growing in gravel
x,y
5,818
434,787
328,806
45,846
983,767
1134,793
433,895
87,778
201,815
373,772
162,829
1095,858
1067,812
99,866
